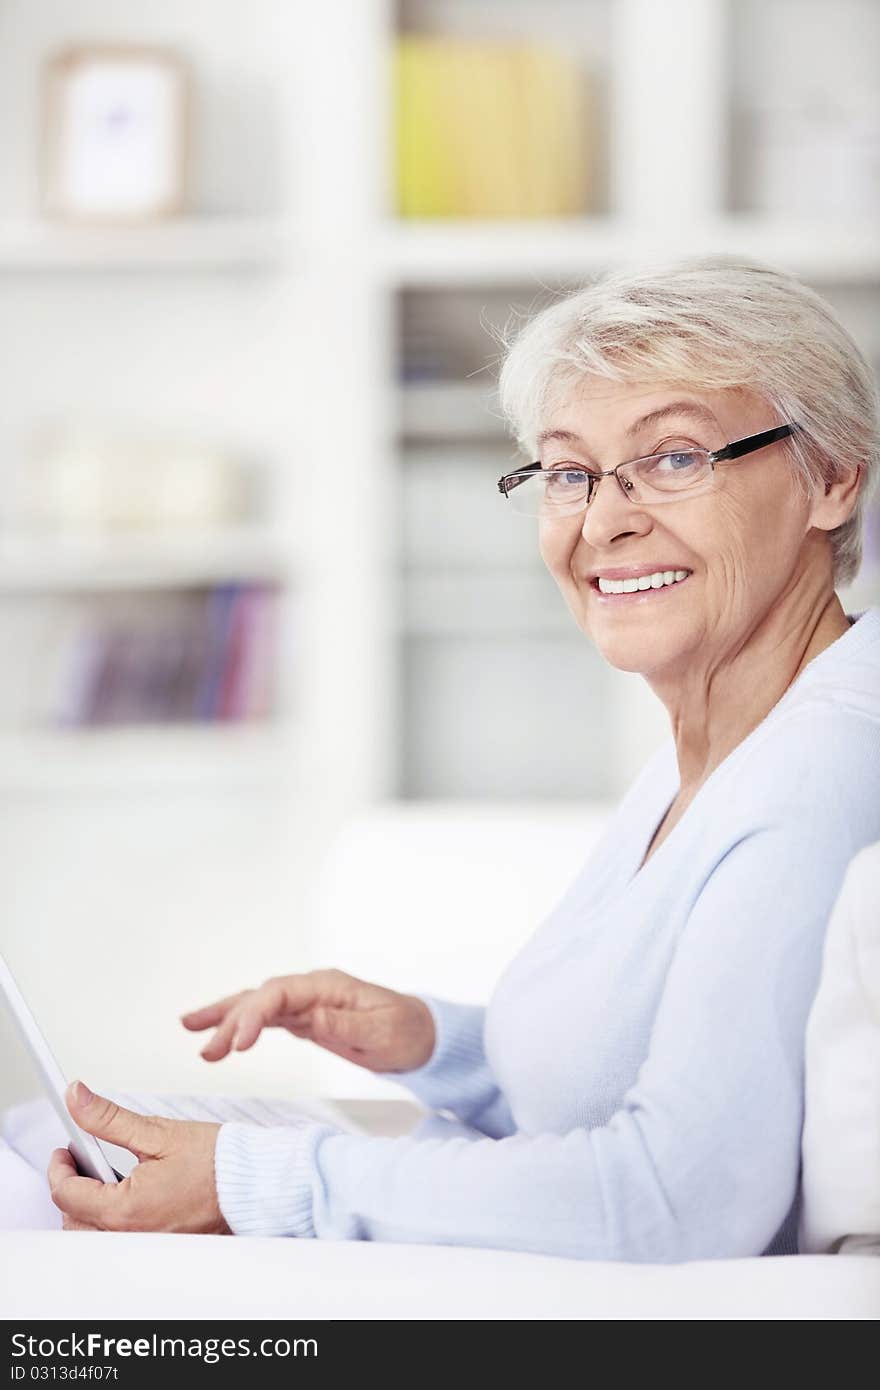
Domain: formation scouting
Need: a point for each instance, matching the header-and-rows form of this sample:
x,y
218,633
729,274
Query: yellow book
x,y
554,134
484,130
425,173
455,152
488,129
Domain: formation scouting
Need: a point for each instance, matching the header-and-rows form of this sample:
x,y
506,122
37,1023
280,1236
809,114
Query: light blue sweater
x,y
634,1090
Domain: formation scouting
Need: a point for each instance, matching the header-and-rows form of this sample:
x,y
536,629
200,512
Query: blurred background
x,y
285,683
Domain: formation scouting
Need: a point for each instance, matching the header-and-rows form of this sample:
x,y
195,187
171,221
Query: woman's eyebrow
x,y
654,417
566,436
694,409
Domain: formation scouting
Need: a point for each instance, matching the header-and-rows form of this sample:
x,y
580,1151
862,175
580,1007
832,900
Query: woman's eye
x,y
561,477
678,461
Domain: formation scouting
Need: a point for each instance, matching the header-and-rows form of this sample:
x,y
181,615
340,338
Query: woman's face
x,y
746,543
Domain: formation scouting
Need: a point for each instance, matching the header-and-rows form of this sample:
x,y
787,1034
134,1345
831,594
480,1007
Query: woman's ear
x,y
832,507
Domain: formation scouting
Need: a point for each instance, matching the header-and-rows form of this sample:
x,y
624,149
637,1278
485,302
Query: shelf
x,y
492,252
446,251
135,758
193,243
43,562
448,411
496,603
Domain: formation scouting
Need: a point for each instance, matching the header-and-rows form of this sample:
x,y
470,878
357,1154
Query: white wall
x,y
218,897
122,904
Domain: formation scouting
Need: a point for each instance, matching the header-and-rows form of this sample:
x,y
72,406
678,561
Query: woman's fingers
x,y
332,1028
374,1027
221,1044
80,1199
245,1020
62,1165
209,1016
289,1002
248,1028
261,1009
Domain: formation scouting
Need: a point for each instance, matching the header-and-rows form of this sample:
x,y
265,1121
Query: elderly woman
x,y
700,439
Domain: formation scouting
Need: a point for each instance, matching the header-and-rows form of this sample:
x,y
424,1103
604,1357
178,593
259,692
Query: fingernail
x,y
81,1093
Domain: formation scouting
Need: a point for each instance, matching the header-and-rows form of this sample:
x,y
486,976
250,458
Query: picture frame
x,y
115,134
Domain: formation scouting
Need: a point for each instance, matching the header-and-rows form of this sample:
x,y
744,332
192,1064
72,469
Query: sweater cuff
x,y
264,1178
456,1076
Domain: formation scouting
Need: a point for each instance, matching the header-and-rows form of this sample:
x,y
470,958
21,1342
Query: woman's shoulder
x,y
831,714
844,679
808,774
792,808
835,704
812,769
805,779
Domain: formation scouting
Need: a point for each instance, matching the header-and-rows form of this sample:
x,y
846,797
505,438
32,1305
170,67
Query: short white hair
x,y
715,322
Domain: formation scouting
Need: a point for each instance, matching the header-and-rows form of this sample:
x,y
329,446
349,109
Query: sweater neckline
x,y
864,627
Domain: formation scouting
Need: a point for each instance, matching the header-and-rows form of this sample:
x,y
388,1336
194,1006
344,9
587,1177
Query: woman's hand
x,y
172,1188
377,1028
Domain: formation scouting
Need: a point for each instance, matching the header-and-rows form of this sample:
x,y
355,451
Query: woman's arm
x,y
457,1076
433,1047
701,1160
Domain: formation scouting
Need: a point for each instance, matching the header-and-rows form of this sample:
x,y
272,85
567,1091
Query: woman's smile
x,y
613,587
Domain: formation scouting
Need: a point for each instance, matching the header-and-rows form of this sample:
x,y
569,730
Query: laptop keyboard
x,y
246,1110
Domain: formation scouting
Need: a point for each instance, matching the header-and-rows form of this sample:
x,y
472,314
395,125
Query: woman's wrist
x,y
421,1040
264,1178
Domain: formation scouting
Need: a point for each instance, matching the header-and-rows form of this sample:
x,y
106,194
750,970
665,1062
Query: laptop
x,y
96,1158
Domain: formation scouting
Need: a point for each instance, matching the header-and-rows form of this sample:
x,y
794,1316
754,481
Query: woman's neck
x,y
718,703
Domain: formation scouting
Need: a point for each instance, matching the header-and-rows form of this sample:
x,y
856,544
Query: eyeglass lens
x,y
558,491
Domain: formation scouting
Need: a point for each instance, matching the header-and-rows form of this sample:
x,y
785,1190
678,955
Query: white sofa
x,y
385,860
47,1274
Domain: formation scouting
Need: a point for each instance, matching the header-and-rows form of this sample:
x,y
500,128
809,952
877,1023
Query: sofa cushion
x,y
840,1207
79,1275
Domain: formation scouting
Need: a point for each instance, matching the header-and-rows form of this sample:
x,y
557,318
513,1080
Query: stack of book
x,y
490,129
200,657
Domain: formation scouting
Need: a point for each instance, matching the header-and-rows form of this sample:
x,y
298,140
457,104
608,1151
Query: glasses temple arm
x,y
512,480
752,442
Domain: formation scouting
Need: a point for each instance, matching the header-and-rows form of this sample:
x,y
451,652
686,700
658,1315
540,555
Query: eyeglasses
x,y
567,489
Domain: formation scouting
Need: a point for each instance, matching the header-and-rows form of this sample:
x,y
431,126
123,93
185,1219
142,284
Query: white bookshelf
x,y
443,252
490,253
304,350
188,243
447,410
213,759
76,563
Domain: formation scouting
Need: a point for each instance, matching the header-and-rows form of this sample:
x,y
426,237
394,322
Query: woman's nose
x,y
611,514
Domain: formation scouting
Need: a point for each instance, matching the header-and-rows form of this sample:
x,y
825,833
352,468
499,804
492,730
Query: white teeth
x,y
658,580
